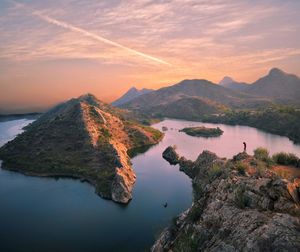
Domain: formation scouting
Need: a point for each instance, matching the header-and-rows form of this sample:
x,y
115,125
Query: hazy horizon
x,y
52,51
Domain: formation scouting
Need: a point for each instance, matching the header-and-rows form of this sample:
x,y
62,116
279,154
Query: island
x,y
202,131
240,204
82,138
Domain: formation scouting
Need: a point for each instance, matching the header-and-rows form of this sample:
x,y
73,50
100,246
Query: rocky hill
x,y
239,205
82,138
130,95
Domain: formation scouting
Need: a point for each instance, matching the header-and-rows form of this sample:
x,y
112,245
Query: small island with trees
x,y
202,131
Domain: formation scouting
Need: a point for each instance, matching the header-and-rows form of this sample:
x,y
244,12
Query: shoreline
x,y
57,176
294,141
81,178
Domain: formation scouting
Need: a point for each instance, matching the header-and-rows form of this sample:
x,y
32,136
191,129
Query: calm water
x,y
44,214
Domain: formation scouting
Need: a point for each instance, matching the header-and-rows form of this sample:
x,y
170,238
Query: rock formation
x,y
170,155
83,138
239,205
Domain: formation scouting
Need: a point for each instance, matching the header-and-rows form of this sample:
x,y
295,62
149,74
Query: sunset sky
x,y
52,50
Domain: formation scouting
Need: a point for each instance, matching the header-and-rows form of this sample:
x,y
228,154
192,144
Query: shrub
x,y
261,153
284,158
240,198
241,168
197,191
105,133
260,168
214,172
195,213
189,240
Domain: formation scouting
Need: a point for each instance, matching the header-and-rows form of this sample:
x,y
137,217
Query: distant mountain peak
x,y
226,80
276,71
132,93
230,83
133,88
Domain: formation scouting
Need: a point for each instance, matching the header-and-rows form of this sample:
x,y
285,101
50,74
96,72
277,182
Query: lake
x,y
46,214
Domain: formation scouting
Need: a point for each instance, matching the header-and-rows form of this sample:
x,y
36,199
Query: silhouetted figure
x,y
166,204
245,146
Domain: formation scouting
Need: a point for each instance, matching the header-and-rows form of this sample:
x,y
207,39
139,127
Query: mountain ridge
x,y
206,91
278,85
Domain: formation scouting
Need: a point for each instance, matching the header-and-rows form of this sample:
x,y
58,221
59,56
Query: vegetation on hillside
x,y
82,138
279,120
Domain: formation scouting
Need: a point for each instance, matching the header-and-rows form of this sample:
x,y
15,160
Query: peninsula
x,y
82,138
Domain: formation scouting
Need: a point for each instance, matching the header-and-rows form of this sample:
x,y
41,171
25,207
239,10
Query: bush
x,y
241,168
284,158
214,172
105,133
241,200
261,168
261,153
195,213
197,191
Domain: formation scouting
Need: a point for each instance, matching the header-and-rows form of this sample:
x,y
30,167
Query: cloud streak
x,y
94,36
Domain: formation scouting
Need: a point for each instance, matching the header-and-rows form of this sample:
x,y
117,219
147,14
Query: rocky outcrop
x,y
234,210
170,155
241,156
83,138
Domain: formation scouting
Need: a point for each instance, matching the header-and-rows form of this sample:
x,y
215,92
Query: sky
x,y
53,50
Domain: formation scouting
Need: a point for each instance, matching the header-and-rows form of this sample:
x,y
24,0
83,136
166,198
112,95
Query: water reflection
x,y
44,214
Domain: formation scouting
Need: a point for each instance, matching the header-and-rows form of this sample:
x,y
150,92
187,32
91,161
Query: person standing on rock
x,y
245,146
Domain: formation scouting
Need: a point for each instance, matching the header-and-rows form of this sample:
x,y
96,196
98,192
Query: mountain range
x,y
194,99
277,85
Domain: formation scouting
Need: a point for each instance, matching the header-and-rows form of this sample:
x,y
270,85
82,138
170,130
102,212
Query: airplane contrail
x,y
88,34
